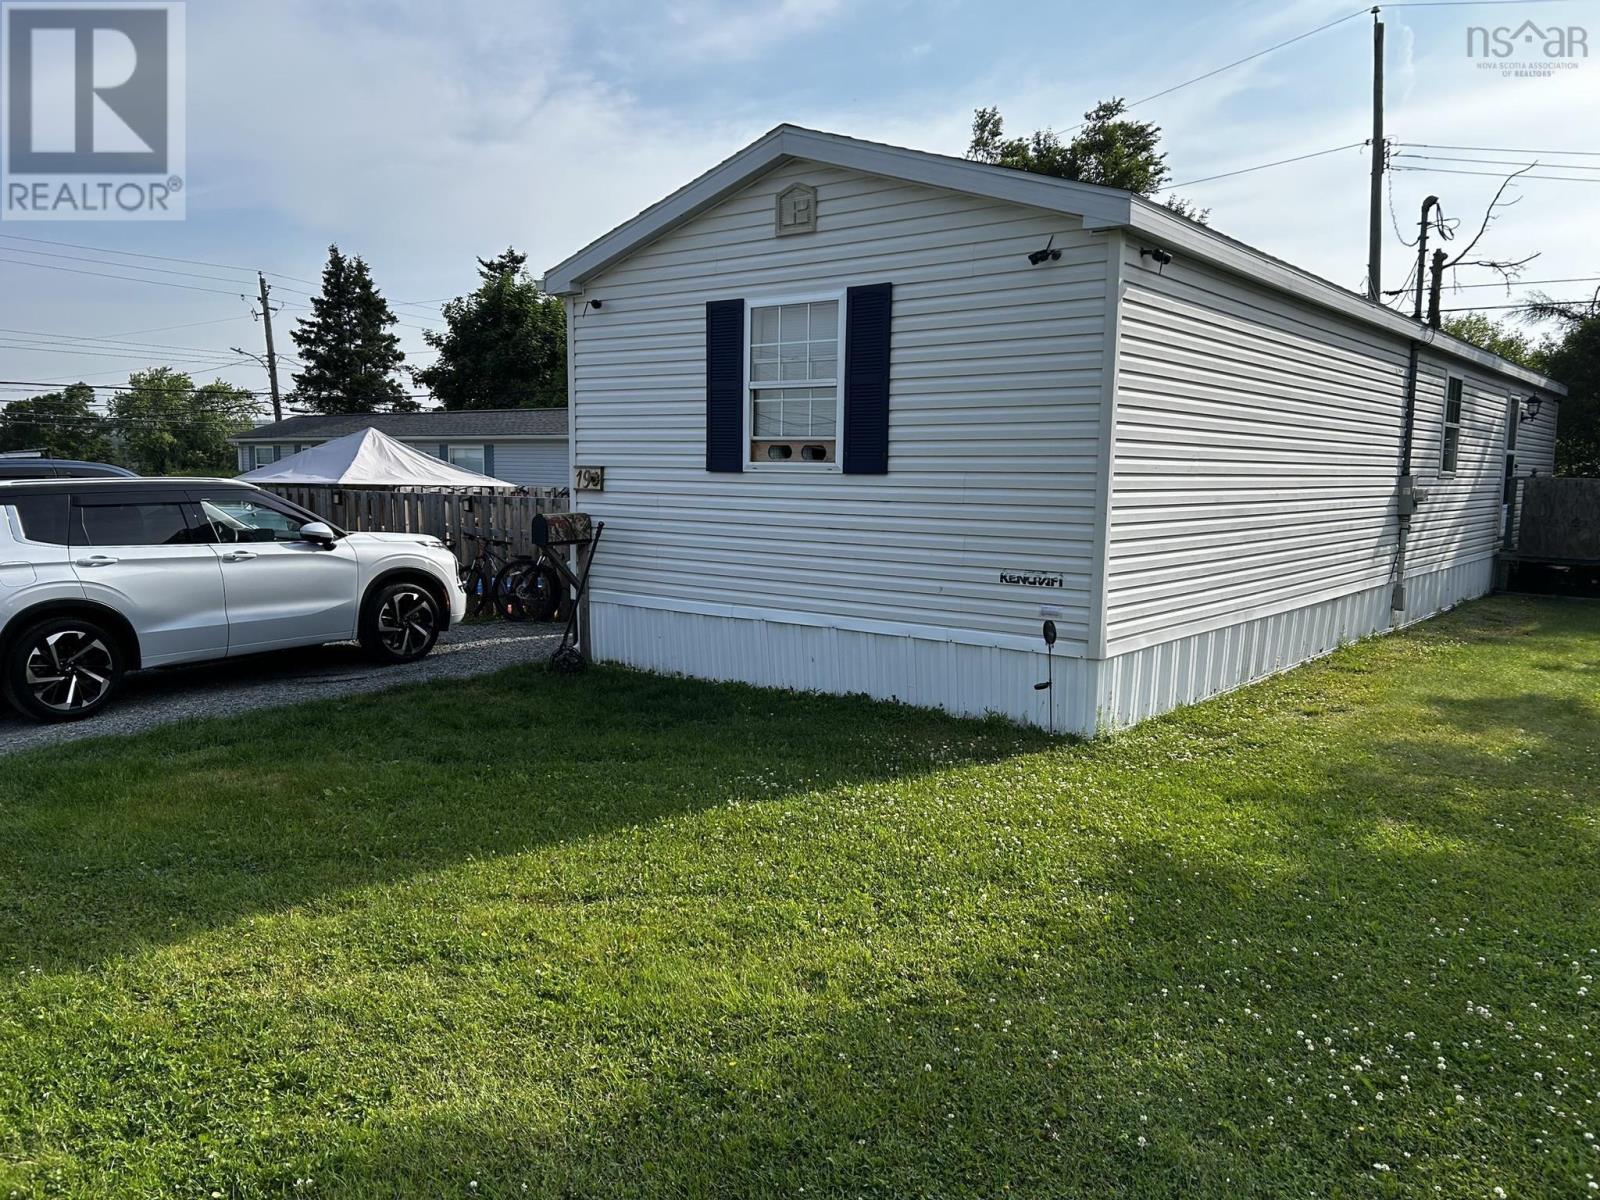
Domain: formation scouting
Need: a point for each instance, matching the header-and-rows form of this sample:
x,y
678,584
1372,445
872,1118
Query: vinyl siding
x,y
995,395
1536,440
1256,449
529,464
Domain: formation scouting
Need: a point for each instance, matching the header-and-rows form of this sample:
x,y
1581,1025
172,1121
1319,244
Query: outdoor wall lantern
x,y
1530,411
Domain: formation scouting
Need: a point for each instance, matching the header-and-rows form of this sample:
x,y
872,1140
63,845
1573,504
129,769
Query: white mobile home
x,y
865,417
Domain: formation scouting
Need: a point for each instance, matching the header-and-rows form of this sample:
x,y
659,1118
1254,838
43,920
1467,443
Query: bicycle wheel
x,y
526,592
477,589
507,592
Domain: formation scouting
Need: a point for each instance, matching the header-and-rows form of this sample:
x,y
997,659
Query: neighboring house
x,y
527,446
868,416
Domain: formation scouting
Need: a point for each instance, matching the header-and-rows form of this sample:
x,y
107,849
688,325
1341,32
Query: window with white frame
x,y
263,456
1450,443
468,458
793,385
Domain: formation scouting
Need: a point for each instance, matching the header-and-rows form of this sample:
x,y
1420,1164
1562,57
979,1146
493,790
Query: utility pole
x,y
1380,152
1422,253
1434,283
272,358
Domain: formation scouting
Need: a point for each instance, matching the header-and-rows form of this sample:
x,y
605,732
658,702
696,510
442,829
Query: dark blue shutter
x,y
725,385
866,379
488,458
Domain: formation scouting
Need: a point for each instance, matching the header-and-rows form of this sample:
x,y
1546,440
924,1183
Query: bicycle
x,y
481,575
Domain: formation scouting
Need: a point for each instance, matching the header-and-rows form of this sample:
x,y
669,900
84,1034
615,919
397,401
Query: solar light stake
x,y
1050,670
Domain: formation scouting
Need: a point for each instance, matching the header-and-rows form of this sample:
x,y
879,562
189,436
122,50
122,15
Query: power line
x,y
1526,304
188,287
1502,150
1526,282
193,262
169,328
101,352
1493,162
1465,3
1262,167
94,342
1495,174
1238,62
104,262
165,271
98,387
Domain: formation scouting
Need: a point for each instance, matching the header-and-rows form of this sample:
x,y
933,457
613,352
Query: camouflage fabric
x,y
562,529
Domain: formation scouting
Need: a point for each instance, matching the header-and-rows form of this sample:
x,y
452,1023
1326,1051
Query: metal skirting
x,y
1090,696
1156,679
967,680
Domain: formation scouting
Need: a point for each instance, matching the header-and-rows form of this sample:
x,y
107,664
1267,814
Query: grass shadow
x,y
127,843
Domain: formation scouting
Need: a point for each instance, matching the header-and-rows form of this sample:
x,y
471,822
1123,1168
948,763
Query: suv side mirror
x,y
318,533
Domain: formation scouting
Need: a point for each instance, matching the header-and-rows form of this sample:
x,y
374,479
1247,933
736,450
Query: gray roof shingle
x,y
485,423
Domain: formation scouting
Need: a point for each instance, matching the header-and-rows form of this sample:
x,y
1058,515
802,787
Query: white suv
x,y
103,576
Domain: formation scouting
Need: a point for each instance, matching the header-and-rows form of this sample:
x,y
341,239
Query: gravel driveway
x,y
152,698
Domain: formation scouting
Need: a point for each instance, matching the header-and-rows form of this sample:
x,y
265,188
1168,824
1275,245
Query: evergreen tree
x,y
60,424
1108,149
350,355
505,345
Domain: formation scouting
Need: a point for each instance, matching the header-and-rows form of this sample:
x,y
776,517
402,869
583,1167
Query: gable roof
x,y
1099,207
488,424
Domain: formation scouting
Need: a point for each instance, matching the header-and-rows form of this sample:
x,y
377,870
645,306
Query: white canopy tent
x,y
368,458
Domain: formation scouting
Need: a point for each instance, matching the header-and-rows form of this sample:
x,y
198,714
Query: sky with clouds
x,y
421,134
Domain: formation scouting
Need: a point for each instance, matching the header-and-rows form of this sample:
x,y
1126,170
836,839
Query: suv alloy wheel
x,y
63,669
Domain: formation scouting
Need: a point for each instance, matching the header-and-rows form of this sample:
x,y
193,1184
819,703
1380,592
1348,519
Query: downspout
x,y
1406,496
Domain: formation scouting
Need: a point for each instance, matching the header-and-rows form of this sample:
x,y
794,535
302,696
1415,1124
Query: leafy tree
x,y
1575,361
1497,338
168,426
1573,358
60,424
1108,149
350,355
505,345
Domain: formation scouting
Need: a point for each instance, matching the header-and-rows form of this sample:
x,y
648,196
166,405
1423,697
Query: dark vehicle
x,y
59,468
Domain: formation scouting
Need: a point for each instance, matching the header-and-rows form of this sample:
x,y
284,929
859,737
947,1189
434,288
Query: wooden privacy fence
x,y
1556,519
446,515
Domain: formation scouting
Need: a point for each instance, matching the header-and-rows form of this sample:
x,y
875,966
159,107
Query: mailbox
x,y
562,529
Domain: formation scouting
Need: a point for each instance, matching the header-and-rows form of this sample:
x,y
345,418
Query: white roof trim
x,y
1099,207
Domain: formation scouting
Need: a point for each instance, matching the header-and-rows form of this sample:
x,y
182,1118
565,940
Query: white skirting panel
x,y
967,680
1145,683
1090,696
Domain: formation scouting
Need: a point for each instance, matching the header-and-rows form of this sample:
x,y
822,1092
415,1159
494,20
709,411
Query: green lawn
x,y
1335,935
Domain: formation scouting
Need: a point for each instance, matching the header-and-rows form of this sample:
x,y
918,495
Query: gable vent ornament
x,y
797,210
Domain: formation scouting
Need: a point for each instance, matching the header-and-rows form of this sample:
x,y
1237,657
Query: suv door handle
x,y
97,560
239,556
